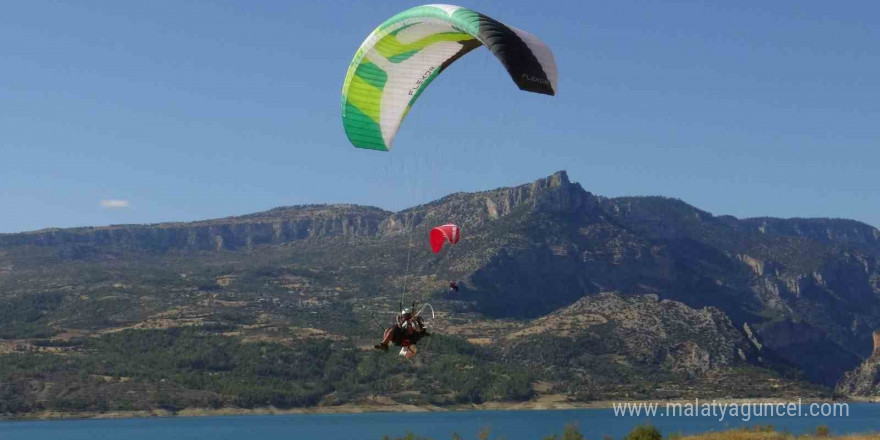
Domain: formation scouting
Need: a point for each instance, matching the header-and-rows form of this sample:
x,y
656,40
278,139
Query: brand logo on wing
x,y
421,80
536,79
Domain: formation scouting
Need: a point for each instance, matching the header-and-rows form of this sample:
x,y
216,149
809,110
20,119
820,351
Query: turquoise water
x,y
513,425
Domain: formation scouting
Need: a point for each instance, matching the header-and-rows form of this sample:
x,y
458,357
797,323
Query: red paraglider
x,y
442,234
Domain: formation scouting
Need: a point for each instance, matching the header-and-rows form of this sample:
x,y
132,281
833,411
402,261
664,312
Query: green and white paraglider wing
x,y
405,53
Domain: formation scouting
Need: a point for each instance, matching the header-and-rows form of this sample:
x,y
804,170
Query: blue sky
x,y
191,110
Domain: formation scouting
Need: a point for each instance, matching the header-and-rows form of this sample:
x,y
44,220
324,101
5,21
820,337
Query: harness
x,y
418,331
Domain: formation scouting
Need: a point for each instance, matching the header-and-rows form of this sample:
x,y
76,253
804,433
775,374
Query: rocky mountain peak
x,y
554,193
557,194
555,180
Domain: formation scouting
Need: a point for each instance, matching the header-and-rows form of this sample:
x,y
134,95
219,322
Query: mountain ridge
x,y
807,289
864,232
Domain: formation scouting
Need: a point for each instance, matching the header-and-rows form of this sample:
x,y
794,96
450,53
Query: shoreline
x,y
366,408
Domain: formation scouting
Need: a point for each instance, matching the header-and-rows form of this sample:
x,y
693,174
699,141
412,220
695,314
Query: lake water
x,y
513,425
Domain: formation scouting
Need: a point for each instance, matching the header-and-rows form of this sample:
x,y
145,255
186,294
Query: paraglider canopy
x,y
404,54
442,234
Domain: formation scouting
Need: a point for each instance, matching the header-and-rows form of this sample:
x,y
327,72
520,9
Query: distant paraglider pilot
x,y
406,333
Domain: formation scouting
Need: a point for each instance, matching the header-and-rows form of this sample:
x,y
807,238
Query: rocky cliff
x,y
864,381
